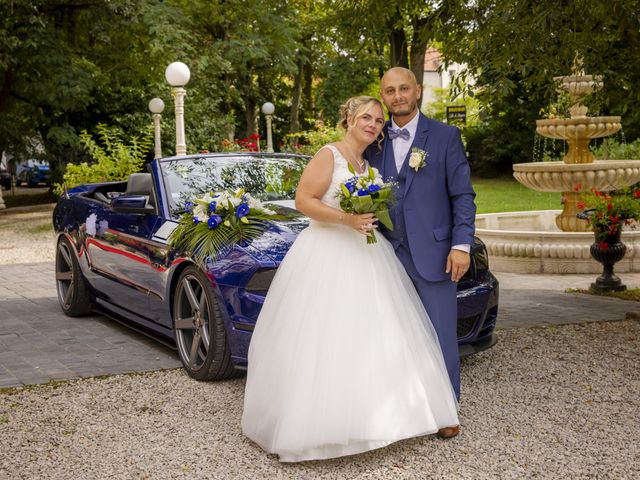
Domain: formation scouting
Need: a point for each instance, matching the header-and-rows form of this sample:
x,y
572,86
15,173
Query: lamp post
x,y
177,75
268,109
156,106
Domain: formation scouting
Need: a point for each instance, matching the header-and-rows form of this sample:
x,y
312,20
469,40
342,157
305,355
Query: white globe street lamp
x,y
268,108
178,75
156,106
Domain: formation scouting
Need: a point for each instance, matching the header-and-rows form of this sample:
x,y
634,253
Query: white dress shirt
x,y
401,148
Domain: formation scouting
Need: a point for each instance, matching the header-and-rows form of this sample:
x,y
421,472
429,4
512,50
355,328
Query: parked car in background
x,y
33,173
5,179
112,254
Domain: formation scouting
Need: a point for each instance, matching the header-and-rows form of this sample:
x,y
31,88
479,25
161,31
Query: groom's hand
x,y
458,263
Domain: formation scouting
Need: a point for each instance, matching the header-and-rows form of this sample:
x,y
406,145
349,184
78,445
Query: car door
x,y
120,249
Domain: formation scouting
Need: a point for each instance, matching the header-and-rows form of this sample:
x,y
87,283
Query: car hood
x,y
272,245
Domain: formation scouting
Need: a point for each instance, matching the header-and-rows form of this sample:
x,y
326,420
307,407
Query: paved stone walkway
x,y
38,343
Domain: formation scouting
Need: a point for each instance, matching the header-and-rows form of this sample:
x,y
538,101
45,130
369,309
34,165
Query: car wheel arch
x,y
173,281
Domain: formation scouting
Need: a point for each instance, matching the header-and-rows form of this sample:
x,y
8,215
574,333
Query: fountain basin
x,y
578,127
603,175
530,242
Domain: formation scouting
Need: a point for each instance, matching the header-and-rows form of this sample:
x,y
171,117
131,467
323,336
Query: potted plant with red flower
x,y
607,213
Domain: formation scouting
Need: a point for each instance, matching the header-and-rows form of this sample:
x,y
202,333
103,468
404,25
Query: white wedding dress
x,y
343,358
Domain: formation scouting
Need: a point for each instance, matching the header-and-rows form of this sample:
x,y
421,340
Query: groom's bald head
x,y
402,72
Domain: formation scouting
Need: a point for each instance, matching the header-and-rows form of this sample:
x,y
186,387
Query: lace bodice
x,y
341,174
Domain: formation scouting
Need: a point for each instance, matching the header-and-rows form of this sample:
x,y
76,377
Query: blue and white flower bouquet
x,y
368,193
214,222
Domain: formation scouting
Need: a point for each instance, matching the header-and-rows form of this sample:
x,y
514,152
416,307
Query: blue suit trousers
x,y
440,302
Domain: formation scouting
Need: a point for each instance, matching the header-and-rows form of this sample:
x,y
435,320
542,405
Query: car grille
x,y
465,325
489,321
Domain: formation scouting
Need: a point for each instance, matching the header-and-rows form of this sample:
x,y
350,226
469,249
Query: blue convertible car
x,y
112,255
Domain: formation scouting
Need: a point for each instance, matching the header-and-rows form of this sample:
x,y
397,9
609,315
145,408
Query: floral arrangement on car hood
x,y
212,223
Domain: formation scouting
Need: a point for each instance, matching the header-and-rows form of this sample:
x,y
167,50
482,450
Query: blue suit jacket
x,y
438,208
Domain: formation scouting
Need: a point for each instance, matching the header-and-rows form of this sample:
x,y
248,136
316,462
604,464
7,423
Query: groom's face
x,y
400,93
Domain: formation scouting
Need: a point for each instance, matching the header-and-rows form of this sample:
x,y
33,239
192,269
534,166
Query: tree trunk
x,y
419,43
250,116
294,124
308,105
5,88
398,50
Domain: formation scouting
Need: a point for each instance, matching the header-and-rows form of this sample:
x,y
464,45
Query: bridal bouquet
x,y
367,193
214,222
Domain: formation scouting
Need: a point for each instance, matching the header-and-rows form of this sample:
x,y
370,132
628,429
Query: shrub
x,y
610,148
310,141
113,161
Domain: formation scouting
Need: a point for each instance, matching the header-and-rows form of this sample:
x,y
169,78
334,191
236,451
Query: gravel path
x,y
26,235
546,402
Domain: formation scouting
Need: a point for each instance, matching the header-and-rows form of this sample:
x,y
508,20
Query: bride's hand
x,y
362,223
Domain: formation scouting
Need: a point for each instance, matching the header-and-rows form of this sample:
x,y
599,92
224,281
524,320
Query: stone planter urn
x,y
608,251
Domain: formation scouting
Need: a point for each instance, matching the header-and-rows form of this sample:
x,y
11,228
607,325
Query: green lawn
x,y
507,195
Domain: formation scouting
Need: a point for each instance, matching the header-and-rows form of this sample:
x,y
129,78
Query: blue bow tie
x,y
402,133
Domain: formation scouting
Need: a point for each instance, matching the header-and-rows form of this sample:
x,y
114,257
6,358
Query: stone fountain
x,y
559,242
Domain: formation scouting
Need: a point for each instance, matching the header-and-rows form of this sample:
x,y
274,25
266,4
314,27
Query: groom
x,y
435,214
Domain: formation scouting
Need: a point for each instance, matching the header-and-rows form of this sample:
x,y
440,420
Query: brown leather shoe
x,y
449,432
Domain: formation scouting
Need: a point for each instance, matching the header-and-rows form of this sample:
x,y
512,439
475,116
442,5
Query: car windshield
x,y
268,178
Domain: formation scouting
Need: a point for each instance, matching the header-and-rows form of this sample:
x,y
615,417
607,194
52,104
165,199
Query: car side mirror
x,y
131,204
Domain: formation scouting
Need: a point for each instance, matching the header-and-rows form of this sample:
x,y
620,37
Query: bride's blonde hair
x,y
354,108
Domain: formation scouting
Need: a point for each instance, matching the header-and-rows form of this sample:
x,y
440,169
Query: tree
x,y
543,38
65,66
407,28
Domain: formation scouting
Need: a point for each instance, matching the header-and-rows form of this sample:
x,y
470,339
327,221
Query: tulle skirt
x,y
343,358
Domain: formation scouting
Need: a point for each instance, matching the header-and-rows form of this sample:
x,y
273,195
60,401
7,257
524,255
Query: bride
x,y
343,358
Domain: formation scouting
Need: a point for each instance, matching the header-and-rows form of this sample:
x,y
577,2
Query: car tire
x,y
72,288
200,333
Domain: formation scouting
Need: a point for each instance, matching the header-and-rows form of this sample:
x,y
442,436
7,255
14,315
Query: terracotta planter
x,y
608,252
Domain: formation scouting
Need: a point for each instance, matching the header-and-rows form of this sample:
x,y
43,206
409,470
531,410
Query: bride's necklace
x,y
359,162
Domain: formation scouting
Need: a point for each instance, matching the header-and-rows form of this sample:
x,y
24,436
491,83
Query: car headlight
x,y
481,258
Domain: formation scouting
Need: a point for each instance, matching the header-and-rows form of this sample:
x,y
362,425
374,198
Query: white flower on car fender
x,y
417,160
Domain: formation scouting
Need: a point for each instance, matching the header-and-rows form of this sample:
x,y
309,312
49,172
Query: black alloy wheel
x,y
200,333
73,292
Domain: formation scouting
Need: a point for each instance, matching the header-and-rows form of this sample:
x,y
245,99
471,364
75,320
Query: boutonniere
x,y
418,157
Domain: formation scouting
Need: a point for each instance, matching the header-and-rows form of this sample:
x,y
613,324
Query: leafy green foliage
x,y
612,149
310,141
113,160
437,109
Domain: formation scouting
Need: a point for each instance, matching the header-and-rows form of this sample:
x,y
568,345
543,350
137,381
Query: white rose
x,y
414,160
